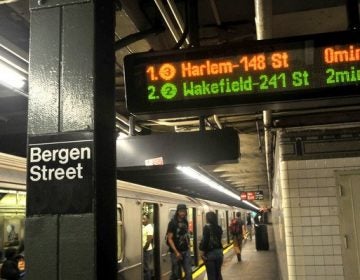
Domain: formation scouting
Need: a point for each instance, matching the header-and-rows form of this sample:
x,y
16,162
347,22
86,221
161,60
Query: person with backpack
x,y
211,247
237,229
178,239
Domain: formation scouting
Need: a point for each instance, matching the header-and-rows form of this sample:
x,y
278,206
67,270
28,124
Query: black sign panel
x,y
205,147
60,173
259,195
257,74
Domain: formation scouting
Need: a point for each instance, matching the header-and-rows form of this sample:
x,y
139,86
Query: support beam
x,y
71,195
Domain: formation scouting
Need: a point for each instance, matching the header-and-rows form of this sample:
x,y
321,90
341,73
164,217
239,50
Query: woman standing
x,y
211,247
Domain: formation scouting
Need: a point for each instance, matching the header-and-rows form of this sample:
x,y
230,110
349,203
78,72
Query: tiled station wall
x,y
305,204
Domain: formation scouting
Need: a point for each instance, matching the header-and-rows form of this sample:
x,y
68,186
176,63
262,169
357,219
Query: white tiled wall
x,y
306,210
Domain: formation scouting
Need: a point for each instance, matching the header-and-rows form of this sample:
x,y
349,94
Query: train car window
x,y
120,233
222,223
171,213
192,224
12,221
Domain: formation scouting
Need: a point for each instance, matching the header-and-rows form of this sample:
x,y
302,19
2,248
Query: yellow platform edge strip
x,y
202,268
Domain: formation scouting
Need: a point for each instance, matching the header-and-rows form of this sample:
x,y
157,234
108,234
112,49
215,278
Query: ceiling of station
x,y
220,23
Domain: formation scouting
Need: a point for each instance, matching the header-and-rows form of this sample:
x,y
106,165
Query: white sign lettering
x,y
58,164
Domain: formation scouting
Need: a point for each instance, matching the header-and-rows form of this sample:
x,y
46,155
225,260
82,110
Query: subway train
x,y
133,201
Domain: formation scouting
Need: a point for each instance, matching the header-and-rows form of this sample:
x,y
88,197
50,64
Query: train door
x,y
349,206
129,240
151,256
120,233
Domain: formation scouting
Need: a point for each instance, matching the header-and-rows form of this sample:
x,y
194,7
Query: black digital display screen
x,y
257,72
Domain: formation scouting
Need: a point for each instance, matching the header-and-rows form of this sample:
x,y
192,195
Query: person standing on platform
x,y
249,226
147,238
237,230
211,247
9,269
178,240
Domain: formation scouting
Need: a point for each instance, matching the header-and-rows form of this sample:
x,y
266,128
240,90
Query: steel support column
x,y
71,190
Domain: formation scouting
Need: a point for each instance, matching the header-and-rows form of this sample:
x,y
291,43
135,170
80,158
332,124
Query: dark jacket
x,y
211,238
10,270
180,231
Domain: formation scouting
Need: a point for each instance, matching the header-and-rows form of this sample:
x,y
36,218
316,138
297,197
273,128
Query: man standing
x,y
237,229
179,242
249,225
147,238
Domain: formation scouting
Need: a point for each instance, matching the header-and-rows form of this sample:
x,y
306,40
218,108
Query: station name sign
x,y
268,71
60,166
49,162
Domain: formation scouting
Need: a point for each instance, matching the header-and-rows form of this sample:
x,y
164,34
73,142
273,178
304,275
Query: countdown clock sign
x,y
258,73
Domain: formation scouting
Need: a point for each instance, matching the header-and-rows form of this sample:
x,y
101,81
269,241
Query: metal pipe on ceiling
x,y
217,121
122,128
131,126
14,50
263,19
215,11
15,62
174,32
268,148
132,38
177,16
127,122
259,135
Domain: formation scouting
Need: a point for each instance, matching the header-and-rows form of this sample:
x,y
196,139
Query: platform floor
x,y
255,265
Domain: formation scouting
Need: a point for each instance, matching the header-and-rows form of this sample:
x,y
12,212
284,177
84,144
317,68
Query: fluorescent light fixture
x,y
10,77
122,135
250,204
206,180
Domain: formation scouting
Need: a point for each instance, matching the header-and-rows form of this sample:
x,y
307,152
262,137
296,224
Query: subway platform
x,y
255,265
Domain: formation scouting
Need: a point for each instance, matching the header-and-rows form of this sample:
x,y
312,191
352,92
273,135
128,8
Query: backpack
x,y
235,227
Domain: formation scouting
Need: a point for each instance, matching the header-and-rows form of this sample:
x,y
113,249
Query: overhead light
x,y
206,180
250,204
11,78
122,135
